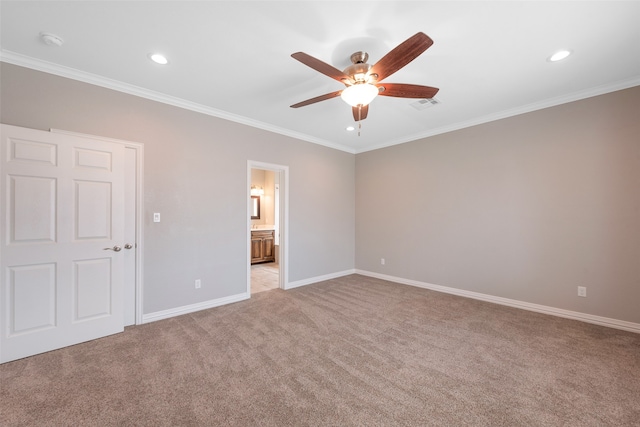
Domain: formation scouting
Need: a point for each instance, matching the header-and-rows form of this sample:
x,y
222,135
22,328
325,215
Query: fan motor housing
x,y
359,70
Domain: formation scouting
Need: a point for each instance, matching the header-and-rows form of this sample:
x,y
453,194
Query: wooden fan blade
x,y
401,90
317,99
404,53
321,67
360,112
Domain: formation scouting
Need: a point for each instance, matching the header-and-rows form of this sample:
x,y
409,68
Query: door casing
x,y
283,254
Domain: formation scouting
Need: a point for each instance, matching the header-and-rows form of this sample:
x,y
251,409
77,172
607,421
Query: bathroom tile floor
x,y
264,277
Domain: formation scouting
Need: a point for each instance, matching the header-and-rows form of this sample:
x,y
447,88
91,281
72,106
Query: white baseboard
x,y
172,312
317,279
575,315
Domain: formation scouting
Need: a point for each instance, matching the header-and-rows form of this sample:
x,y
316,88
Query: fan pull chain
x,y
359,119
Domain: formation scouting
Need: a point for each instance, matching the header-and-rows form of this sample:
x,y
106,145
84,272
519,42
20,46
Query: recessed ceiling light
x,y
559,55
350,128
158,58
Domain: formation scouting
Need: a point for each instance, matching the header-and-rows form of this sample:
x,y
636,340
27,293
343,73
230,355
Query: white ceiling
x,y
231,59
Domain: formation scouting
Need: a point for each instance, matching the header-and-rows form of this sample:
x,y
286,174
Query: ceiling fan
x,y
363,81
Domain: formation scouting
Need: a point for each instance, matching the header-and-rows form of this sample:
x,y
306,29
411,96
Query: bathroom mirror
x,y
255,207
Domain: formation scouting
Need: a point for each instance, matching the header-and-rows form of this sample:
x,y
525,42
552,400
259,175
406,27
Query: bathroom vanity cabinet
x,y
262,246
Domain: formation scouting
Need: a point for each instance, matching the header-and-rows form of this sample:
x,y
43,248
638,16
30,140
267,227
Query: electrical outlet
x,y
156,217
582,291
381,261
198,283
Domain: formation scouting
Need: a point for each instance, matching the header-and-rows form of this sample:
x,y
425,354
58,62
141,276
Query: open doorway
x,y
267,225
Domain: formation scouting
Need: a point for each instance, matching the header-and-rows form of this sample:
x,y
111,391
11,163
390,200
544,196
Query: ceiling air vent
x,y
421,104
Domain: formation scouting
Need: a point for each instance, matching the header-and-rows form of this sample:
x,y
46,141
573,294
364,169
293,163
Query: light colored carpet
x,y
353,351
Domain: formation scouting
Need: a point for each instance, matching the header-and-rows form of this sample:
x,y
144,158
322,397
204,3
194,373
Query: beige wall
x,y
195,175
526,208
266,180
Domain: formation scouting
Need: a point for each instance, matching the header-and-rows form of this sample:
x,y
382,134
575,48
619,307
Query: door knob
x,y
115,249
128,246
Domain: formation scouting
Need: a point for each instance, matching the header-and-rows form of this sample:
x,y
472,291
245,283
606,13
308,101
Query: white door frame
x,y
283,254
139,148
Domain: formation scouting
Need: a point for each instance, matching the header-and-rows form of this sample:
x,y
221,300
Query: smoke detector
x,y
51,39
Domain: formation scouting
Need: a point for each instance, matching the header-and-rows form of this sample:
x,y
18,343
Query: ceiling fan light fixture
x,y
359,94
362,79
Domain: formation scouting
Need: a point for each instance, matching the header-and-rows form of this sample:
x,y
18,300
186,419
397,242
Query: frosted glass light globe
x,y
359,94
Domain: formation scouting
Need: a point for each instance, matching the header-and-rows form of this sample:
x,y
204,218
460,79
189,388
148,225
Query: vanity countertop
x,y
263,228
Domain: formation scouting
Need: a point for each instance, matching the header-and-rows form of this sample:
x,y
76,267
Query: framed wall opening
x,y
274,216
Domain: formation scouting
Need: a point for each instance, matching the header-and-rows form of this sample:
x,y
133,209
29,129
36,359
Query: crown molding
x,y
551,102
74,74
71,73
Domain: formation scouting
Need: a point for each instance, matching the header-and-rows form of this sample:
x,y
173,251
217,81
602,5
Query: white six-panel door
x,y
62,224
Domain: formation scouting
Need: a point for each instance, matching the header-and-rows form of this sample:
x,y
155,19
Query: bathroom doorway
x,y
267,227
